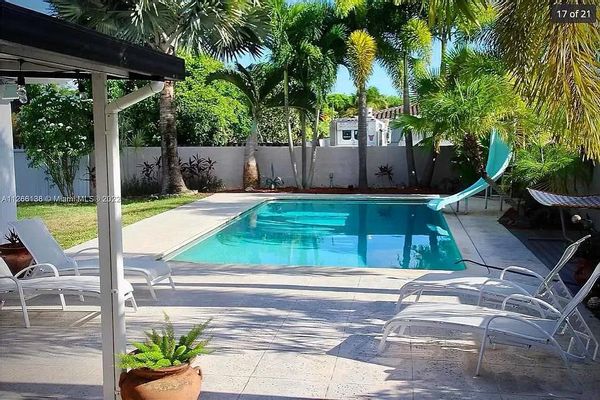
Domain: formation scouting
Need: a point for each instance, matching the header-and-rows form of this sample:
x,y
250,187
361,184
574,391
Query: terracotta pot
x,y
173,383
15,256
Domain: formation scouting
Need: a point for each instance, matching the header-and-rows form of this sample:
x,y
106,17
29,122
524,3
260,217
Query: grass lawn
x,y
74,223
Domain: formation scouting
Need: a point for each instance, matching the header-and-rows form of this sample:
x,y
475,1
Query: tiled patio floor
x,y
290,332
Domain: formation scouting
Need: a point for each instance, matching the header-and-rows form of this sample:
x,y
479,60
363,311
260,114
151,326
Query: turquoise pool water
x,y
369,234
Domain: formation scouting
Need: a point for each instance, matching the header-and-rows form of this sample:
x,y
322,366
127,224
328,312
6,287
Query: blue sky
x,y
343,84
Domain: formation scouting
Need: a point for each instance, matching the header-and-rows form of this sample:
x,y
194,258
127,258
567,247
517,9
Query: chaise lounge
x,y
28,284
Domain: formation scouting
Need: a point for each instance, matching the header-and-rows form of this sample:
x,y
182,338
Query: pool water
x,y
340,233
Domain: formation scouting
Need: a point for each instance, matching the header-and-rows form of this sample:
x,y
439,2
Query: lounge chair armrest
x,y
541,304
505,282
519,319
85,250
516,268
34,268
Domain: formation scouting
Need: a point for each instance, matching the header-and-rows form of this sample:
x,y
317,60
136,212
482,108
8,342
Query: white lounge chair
x,y
39,241
499,326
28,284
549,287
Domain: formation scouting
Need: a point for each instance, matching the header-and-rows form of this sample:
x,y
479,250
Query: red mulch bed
x,y
344,191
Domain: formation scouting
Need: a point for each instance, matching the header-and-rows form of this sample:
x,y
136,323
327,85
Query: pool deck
x,y
289,332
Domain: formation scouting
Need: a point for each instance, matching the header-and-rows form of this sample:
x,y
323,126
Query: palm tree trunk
x,y
315,144
172,181
408,139
362,139
444,40
286,106
251,175
427,177
303,131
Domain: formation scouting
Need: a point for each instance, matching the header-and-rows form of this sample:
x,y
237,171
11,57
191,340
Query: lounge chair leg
x,y
172,283
1,304
387,329
24,307
133,303
62,301
81,298
151,289
400,299
481,352
419,293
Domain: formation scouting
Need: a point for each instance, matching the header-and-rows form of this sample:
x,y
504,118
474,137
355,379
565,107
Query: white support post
x,y
8,204
108,200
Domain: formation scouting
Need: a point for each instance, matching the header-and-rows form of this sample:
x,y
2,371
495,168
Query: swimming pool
x,y
334,233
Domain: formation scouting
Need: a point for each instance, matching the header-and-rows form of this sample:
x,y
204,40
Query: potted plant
x,y
160,368
14,253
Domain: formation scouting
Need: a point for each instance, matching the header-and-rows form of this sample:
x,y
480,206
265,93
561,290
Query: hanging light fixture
x,y
81,88
21,89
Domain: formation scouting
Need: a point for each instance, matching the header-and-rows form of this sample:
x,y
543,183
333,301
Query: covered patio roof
x,y
37,45
34,46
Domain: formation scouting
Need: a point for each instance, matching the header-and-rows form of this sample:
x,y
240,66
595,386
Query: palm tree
x,y
405,54
556,68
443,17
258,83
282,17
222,28
475,99
318,38
361,53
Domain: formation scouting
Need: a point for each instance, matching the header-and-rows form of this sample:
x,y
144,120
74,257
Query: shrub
x,y
56,130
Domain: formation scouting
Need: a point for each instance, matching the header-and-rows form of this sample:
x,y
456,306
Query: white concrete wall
x,y
341,161
8,205
33,181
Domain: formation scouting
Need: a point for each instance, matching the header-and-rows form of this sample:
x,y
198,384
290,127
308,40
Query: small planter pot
x,y
172,383
15,256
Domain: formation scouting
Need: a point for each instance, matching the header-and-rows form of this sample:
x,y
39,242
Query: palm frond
x,y
362,50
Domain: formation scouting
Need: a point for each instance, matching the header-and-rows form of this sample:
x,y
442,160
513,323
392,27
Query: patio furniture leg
x,y
133,303
151,289
486,196
481,352
62,301
24,307
563,227
172,282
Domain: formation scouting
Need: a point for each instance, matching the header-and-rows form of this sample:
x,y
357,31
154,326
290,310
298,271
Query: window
x,y
346,134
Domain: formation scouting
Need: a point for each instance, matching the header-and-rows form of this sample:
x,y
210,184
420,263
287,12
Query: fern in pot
x,y
161,367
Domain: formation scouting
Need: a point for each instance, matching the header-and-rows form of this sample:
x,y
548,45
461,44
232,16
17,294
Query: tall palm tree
x,y
405,54
318,39
556,68
282,18
258,83
222,28
443,17
361,53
